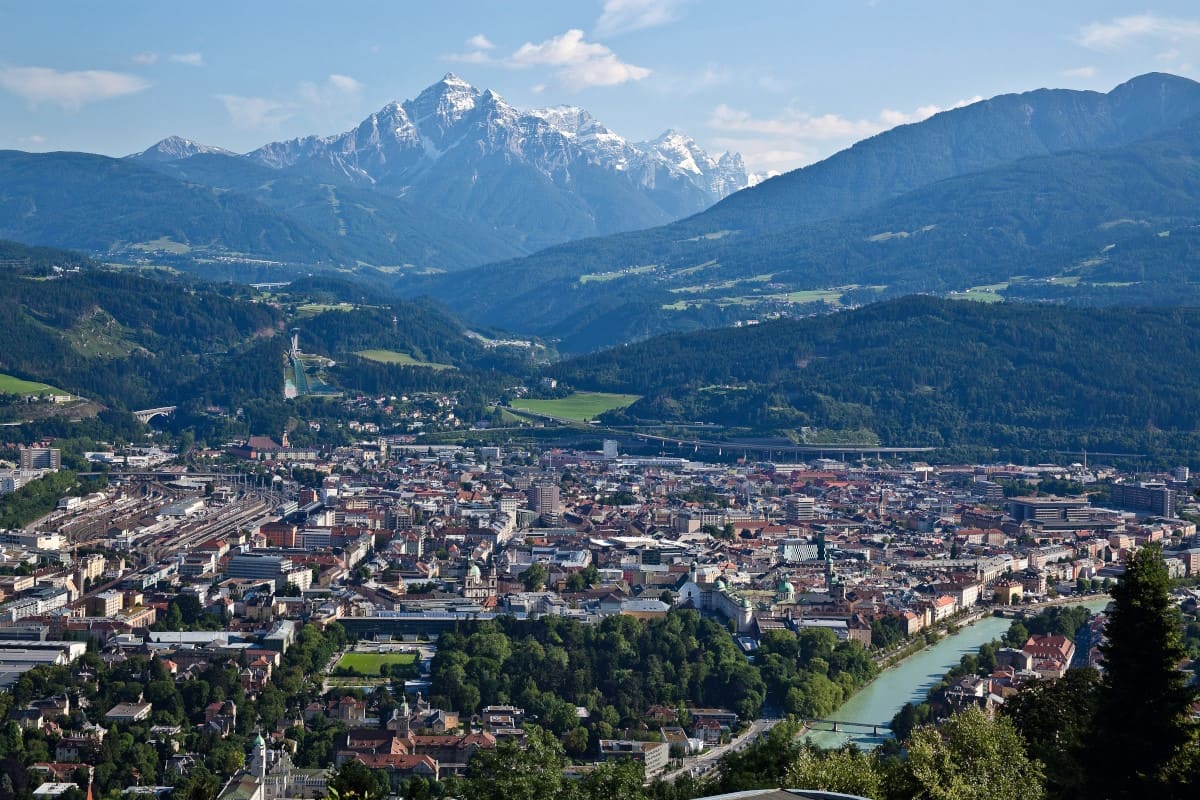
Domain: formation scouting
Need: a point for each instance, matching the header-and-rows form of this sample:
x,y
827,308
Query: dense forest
x,y
922,371
621,667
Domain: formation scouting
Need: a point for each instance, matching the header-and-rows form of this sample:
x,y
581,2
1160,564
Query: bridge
x,y
148,414
838,725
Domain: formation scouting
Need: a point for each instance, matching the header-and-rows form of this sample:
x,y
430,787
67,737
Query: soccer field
x,y
581,406
369,663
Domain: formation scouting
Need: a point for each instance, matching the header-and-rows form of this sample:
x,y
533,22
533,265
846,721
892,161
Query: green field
x,y
12,385
369,663
403,359
581,406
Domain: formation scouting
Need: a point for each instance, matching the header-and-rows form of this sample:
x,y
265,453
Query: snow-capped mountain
x,y
544,176
174,148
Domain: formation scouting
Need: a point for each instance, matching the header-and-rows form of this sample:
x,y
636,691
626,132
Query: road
x,y
706,761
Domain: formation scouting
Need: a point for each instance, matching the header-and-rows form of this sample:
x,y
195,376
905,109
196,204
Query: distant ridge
x,y
1042,185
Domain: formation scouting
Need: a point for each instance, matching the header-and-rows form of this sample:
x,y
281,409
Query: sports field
x,y
13,385
580,406
369,663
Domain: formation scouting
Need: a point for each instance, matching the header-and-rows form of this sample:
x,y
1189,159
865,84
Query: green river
x,y
910,680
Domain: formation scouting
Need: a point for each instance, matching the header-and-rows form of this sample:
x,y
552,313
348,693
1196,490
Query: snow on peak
x,y
175,148
447,101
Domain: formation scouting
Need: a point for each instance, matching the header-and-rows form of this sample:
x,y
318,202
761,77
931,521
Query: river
x,y
911,680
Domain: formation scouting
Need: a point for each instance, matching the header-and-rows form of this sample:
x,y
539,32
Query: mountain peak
x,y
446,101
175,148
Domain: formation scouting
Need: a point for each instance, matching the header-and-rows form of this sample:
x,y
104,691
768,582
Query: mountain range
x,y
540,176
454,178
1017,194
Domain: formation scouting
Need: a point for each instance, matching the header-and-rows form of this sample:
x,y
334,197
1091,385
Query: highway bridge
x,y
147,414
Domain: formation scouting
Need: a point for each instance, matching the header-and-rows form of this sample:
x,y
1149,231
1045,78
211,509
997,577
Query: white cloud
x,y
332,101
478,45
795,138
70,90
33,139
1079,72
1117,33
256,113
345,84
145,59
579,63
472,57
620,16
480,42
334,92
191,59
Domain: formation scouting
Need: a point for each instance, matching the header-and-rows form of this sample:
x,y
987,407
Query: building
x,y
1152,498
128,713
544,499
800,508
105,604
653,755
41,458
1048,509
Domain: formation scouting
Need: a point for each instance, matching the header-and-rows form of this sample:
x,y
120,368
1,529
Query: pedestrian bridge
x,y
838,725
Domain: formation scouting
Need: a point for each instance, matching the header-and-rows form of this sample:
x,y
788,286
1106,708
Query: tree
x,y
969,756
354,779
1055,718
848,770
510,772
1142,719
534,577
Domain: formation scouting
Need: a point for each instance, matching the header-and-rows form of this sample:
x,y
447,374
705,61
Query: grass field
x,y
581,406
312,309
12,385
403,359
369,663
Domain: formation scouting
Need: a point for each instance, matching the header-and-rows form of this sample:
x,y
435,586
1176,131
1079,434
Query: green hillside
x,y
921,371
132,341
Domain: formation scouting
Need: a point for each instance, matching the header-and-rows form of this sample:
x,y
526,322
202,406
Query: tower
x,y
258,760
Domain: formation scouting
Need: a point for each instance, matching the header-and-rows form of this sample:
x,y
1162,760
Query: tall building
x,y
610,449
41,458
544,499
800,508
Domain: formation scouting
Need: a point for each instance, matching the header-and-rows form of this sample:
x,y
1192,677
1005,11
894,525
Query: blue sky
x,y
785,82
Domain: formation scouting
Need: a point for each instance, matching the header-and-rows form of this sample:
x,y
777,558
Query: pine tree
x,y
1142,727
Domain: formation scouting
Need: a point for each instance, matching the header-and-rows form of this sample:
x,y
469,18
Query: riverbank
x,y
910,678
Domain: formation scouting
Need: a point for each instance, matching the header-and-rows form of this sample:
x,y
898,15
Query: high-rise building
x,y
544,499
610,449
800,508
41,458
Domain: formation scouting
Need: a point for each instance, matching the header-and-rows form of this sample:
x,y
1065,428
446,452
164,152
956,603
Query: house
x,y
653,755
707,731
943,607
128,713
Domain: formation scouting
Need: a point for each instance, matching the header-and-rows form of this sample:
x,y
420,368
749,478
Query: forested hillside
x,y
923,371
131,341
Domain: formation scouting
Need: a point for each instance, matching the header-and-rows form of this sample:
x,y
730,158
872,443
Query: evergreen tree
x,y
1142,727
